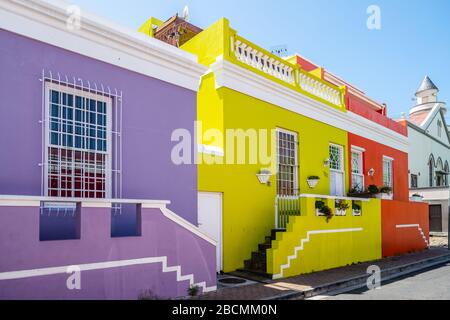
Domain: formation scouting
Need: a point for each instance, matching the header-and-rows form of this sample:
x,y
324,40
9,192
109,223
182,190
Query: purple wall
x,y
152,109
21,249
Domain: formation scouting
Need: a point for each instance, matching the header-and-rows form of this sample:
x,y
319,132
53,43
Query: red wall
x,y
396,241
373,158
358,106
305,64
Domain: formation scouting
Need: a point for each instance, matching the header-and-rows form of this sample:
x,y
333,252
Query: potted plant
x,y
341,207
323,210
386,192
264,176
373,190
313,181
358,192
416,197
319,205
356,209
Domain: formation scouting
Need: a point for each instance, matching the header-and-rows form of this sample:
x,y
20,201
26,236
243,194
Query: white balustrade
x,y
258,60
319,89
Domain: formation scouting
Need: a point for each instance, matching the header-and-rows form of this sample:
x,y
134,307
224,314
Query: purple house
x,y
87,113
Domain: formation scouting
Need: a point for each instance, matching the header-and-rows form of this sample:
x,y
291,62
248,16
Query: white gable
x,y
436,126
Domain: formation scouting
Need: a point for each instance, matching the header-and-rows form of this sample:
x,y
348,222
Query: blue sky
x,y
388,64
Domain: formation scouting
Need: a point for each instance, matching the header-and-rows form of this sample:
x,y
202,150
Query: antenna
x,y
186,13
279,50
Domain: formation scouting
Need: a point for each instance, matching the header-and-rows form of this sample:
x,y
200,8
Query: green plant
x,y
417,195
356,189
373,189
193,291
356,206
320,204
385,189
341,205
327,212
313,178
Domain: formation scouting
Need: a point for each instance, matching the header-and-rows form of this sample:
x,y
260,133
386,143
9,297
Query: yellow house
x,y
272,145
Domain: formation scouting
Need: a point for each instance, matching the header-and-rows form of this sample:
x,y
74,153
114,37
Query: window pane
x,y
80,173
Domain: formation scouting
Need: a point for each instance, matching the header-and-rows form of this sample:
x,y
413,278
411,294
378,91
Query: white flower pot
x,y
356,213
263,177
386,196
341,212
318,213
416,199
312,183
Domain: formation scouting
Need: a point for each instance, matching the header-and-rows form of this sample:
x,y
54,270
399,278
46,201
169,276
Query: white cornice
x,y
239,79
98,38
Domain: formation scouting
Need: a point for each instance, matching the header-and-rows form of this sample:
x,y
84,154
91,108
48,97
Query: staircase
x,y
257,265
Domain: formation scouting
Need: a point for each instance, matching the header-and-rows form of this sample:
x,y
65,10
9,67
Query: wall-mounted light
x,y
326,162
264,176
371,172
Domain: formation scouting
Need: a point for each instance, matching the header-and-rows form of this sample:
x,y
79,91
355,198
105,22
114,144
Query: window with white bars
x,y
336,157
287,175
357,170
78,143
387,172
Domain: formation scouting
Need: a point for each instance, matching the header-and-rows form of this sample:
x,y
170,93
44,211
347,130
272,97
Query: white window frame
x,y
360,152
296,143
389,160
342,162
89,95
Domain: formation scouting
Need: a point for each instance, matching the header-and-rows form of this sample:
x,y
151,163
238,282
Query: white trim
x,y
31,201
387,158
320,196
22,274
404,226
109,115
213,150
100,39
357,149
239,79
360,152
187,225
35,201
308,239
296,165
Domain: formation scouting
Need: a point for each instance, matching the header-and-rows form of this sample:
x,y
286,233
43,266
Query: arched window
x,y
446,173
431,166
440,176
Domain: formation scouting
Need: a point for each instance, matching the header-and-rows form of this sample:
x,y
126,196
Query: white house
x,y
429,153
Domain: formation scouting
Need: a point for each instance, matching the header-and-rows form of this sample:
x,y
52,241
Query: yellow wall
x,y
330,250
248,208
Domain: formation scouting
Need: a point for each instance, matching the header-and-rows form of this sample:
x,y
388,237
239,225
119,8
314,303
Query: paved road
x,y
430,284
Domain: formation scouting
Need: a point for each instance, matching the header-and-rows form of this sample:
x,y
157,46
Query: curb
x,y
360,281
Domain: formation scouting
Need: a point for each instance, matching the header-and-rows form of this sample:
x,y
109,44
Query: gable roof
x,y
422,121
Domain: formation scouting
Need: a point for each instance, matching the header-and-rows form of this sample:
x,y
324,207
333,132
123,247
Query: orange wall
x,y
373,158
397,241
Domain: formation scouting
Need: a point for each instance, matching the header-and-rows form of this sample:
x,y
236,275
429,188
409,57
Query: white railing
x,y
319,89
286,206
258,59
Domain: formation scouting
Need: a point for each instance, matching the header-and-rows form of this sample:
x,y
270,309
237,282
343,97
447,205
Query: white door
x,y
210,220
337,183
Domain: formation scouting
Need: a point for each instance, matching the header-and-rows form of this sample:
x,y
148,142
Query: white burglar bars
x,y
81,138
